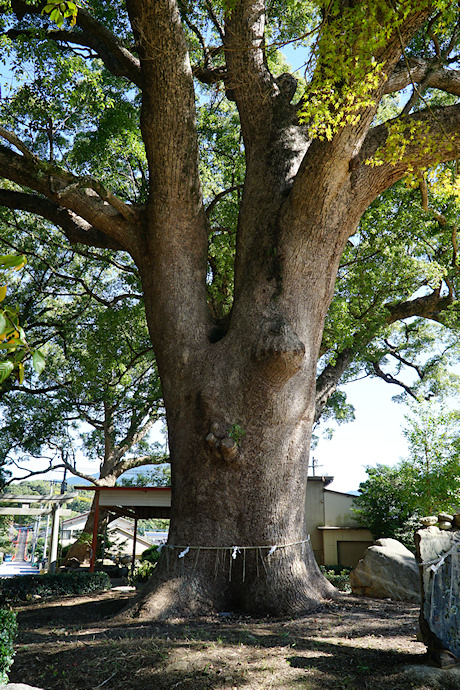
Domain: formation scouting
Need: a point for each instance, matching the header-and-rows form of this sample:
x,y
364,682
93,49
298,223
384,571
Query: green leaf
x,y
8,261
38,362
3,324
5,370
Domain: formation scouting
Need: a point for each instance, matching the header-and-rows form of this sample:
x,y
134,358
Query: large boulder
x,y
387,570
439,556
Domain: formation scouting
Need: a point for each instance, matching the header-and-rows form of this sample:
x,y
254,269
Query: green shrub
x,y
143,571
151,554
8,630
23,587
339,576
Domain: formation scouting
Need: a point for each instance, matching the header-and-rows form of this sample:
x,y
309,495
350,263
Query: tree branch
x,y
328,380
76,229
87,198
134,435
220,196
437,140
129,463
394,353
249,81
178,224
115,56
388,378
431,74
210,75
428,307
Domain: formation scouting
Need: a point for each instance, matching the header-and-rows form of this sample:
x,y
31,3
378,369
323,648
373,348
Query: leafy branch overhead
x,y
60,11
13,344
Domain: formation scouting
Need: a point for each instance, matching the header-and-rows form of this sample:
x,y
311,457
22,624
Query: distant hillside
x,y
78,481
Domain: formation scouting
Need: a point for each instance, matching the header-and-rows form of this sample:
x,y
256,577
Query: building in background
x,y
120,533
335,535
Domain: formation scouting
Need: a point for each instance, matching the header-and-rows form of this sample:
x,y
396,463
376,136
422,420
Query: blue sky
x,y
375,437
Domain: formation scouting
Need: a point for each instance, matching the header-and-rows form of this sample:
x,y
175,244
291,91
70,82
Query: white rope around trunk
x,y
234,552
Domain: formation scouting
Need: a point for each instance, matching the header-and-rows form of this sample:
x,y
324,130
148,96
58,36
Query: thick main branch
x,y
90,201
93,34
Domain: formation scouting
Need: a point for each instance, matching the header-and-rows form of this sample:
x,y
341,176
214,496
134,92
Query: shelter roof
x,y
134,501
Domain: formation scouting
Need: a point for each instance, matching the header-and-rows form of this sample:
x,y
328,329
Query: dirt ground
x,y
353,642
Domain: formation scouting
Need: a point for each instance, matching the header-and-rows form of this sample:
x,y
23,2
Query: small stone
x,y
211,439
445,517
429,520
229,448
215,427
445,525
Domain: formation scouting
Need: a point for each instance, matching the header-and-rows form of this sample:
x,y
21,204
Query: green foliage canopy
x,y
426,482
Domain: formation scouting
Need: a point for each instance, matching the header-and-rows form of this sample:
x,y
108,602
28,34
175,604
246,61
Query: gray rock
x,y
445,517
433,678
439,556
18,686
387,570
445,525
429,520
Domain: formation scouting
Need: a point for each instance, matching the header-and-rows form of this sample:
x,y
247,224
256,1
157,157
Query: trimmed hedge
x,y
8,630
23,587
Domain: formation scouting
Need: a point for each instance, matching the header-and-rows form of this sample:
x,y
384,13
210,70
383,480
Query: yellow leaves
x,y
402,133
444,183
330,106
13,344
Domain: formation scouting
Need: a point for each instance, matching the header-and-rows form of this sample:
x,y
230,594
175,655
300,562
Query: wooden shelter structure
x,y
138,503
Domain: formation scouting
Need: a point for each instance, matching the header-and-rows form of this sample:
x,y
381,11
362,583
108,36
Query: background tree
x,y
433,438
311,169
426,482
99,396
385,504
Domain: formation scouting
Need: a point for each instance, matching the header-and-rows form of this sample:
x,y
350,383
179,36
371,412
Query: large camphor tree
x,y
238,387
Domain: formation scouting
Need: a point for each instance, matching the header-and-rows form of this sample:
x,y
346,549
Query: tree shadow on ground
x,y
75,645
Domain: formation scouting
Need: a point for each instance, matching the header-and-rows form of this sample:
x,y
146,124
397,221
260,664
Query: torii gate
x,y
55,510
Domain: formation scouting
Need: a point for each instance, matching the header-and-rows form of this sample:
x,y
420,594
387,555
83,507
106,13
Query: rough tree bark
x,y
240,402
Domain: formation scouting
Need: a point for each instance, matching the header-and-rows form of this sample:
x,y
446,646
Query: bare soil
x,y
353,642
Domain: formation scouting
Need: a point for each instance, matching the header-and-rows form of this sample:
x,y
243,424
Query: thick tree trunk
x,y
240,413
240,402
229,514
